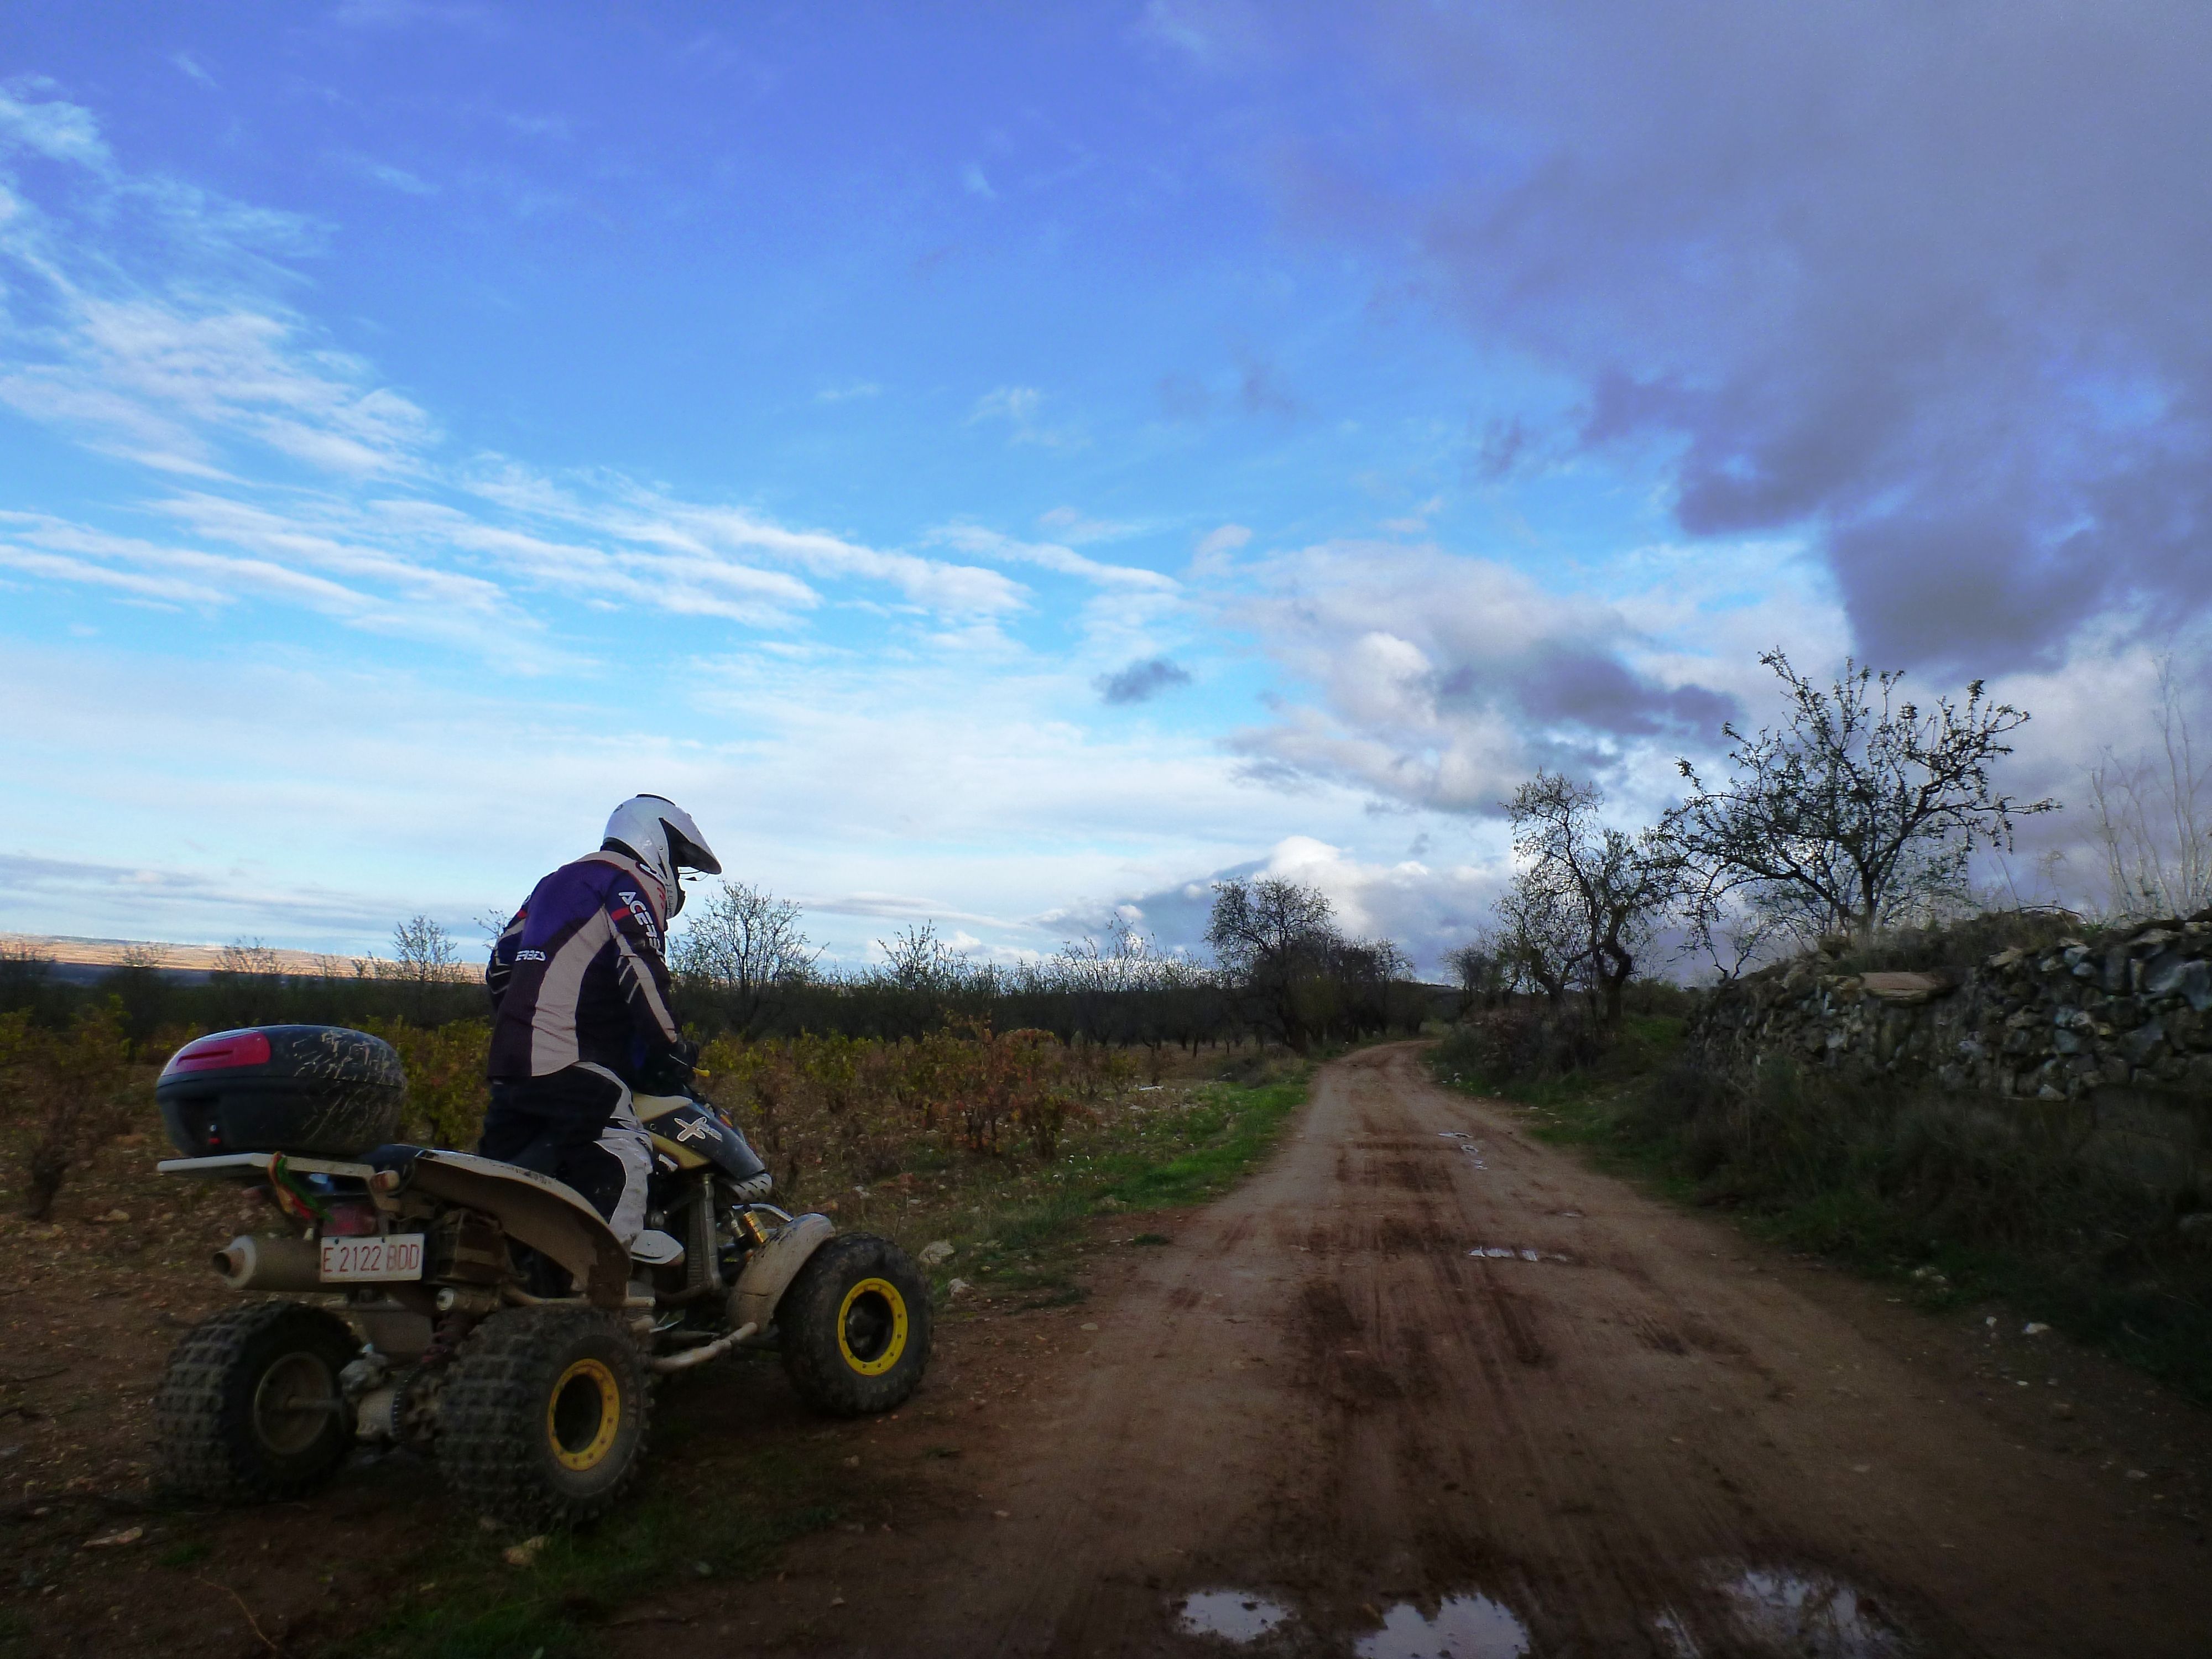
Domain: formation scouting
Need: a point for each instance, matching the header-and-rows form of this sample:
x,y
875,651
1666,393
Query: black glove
x,y
669,1073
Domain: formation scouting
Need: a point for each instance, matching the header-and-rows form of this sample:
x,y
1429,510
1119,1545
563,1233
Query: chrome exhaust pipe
x,y
269,1264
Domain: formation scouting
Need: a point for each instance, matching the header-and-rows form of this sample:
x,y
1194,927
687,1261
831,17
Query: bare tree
x,y
246,959
1483,970
1268,935
1729,932
1608,886
746,942
1860,806
423,957
2153,820
917,960
1541,945
421,950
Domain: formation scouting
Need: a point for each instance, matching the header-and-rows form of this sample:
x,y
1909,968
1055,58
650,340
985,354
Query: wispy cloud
x,y
206,374
983,542
1021,407
53,128
384,173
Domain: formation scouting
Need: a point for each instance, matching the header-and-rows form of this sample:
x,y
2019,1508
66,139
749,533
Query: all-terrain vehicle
x,y
413,1303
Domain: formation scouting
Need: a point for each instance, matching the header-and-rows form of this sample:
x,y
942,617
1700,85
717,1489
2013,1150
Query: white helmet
x,y
660,835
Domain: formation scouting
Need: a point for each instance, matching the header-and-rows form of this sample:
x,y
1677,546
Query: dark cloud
x,y
1262,389
1140,682
1559,684
1442,680
1931,283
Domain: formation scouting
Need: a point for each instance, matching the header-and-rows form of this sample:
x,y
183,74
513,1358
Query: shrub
x,y
1512,1047
64,1093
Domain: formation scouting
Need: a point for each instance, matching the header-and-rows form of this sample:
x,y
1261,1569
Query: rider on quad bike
x,y
509,1311
580,996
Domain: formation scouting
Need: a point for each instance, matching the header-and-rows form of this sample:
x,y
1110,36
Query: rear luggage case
x,y
313,1091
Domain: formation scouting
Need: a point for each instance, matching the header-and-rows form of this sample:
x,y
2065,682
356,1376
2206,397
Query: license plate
x,y
374,1260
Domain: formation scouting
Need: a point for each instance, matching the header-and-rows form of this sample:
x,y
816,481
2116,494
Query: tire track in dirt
x,y
1318,1398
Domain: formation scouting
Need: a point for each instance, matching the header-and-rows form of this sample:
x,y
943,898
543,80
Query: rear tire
x,y
250,1408
855,1327
543,1416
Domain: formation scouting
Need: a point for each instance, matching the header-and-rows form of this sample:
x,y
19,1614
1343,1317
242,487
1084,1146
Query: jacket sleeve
x,y
642,974
501,969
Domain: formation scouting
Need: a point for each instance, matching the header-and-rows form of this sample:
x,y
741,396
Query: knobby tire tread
x,y
806,1318
491,1412
193,1417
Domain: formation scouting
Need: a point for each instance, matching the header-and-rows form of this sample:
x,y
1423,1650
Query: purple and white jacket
x,y
578,978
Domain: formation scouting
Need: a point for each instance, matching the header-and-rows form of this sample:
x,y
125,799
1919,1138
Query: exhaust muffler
x,y
270,1264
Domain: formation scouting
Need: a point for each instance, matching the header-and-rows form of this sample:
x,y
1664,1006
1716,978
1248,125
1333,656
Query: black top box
x,y
313,1091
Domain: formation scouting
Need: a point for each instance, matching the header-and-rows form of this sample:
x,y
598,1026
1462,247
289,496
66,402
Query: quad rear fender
x,y
768,1272
544,1213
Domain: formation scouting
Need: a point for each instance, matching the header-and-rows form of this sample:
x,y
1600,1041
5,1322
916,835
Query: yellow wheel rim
x,y
872,1327
584,1415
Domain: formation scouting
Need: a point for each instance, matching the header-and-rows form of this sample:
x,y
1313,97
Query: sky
x,y
1012,467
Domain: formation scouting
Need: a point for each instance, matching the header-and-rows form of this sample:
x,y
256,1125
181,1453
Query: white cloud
x,y
59,131
1020,407
1214,557
1052,556
1441,680
391,177
190,368
973,181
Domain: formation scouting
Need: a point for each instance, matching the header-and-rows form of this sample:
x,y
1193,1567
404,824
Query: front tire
x,y
855,1327
544,1416
250,1408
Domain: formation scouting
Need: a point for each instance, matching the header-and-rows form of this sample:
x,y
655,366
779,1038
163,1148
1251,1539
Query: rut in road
x,y
1376,1442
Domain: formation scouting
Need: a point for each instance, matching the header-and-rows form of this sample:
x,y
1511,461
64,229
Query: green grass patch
x,y
1188,1148
467,1602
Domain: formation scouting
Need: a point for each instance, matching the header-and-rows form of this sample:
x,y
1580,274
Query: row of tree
x,y
1860,809
1283,970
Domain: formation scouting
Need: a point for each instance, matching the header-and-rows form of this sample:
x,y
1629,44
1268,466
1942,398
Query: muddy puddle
x,y
1517,1253
1461,1627
1806,1615
1232,1616
1466,1144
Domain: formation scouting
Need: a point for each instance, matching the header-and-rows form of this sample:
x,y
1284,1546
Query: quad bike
x,y
426,1331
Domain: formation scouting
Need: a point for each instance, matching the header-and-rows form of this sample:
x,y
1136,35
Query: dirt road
x,y
1318,1423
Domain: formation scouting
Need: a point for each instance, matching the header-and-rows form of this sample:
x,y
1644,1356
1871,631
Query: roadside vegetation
x,y
1840,843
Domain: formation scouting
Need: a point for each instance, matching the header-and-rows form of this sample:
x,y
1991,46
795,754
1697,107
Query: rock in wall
x,y
2119,1029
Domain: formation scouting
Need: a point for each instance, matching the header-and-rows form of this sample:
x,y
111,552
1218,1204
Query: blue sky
x,y
1000,464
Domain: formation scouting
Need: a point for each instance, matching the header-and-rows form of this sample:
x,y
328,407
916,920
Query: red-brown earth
x,y
1314,1422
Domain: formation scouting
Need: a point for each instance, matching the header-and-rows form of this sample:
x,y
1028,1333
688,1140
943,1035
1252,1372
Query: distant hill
x,y
81,961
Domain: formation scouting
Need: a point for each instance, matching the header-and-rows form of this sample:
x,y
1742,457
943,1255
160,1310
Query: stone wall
x,y
2118,1030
